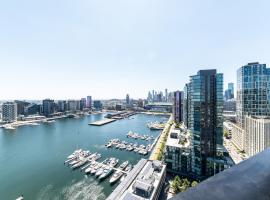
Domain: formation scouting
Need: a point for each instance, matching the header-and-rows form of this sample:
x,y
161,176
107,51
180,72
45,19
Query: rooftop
x,y
141,183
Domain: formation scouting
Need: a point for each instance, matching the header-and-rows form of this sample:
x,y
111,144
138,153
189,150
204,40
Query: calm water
x,y
31,157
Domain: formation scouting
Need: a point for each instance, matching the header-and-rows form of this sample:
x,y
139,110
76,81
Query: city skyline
x,y
71,49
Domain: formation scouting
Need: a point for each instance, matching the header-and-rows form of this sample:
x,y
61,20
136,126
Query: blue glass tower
x,y
253,91
205,122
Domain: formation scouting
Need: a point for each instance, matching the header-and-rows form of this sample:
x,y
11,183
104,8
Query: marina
x,y
38,154
131,147
102,170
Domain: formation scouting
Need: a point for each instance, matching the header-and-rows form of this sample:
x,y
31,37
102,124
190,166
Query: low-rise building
x,y
178,152
145,182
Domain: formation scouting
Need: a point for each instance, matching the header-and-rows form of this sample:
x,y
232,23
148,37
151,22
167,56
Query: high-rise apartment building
x,y
229,93
127,99
206,122
178,106
186,103
253,91
48,107
89,102
257,134
9,112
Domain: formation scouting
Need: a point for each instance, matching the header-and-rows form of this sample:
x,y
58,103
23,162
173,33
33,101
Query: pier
x,y
102,122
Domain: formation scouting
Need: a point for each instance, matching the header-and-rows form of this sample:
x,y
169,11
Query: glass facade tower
x,y
253,94
205,122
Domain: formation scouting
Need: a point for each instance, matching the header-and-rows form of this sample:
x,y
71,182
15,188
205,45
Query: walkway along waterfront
x,y
159,148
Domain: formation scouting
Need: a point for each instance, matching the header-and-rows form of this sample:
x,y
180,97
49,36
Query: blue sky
x,y
73,48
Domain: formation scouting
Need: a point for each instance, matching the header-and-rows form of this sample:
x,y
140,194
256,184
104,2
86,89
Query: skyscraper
x,y
229,93
48,107
89,102
253,91
166,95
9,112
206,122
186,104
178,106
231,90
127,99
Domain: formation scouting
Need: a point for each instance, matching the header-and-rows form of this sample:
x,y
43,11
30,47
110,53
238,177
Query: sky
x,y
65,49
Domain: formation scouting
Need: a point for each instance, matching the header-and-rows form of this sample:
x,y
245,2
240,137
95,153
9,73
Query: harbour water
x,y
32,157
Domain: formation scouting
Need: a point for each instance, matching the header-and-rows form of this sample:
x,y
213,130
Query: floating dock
x,y
102,122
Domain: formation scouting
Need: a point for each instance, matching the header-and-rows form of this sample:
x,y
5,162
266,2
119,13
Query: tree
x,y
176,184
194,184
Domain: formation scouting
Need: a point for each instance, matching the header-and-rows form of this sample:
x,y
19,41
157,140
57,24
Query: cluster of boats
x,y
102,170
80,158
123,145
136,136
156,125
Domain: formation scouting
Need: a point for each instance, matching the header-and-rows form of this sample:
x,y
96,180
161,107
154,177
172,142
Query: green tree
x,y
194,184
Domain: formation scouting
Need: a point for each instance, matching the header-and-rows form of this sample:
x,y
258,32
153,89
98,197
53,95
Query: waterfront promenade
x,y
158,150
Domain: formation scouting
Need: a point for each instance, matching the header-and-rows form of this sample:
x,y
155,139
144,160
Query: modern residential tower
x,y
206,122
253,91
178,106
9,110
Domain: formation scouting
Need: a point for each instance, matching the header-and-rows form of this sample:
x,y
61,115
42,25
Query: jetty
x,y
102,122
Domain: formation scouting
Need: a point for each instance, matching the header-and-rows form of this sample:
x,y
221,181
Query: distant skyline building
x,y
21,105
97,105
89,102
48,107
230,105
253,91
127,99
186,104
9,111
178,106
206,122
229,93
83,103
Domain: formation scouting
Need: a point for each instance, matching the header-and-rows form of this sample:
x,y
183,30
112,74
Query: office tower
x,y
159,97
9,112
72,105
32,109
178,106
89,102
97,105
48,107
253,95
230,105
257,134
206,122
21,105
62,107
231,90
229,93
127,99
83,103
185,105
149,97
166,95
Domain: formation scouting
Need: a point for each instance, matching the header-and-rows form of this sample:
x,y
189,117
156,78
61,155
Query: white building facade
x,y
257,134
